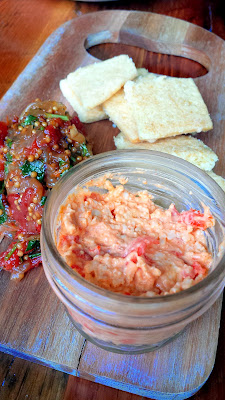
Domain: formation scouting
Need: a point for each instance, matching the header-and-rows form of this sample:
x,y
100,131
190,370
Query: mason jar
x,y
131,324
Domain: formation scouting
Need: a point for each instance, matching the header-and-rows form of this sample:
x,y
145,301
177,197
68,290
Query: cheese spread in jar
x,y
125,243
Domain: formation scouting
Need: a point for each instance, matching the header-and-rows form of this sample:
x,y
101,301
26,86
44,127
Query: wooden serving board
x,y
33,323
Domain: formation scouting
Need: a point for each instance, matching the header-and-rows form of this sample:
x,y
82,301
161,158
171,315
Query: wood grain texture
x,y
34,324
34,23
33,381
196,12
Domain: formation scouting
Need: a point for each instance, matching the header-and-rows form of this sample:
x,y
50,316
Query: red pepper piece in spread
x,y
192,217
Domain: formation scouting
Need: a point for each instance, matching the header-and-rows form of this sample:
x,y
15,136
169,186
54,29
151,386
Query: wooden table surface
x,y
24,26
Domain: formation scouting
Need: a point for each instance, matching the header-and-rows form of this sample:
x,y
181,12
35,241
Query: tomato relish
x,y
35,151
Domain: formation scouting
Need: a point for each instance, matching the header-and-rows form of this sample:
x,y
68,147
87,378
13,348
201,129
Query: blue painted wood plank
x,y
176,371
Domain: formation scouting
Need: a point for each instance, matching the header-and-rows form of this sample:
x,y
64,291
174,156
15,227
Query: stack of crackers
x,y
152,112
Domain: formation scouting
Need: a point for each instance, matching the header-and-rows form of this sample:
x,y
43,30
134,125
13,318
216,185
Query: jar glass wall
x,y
127,323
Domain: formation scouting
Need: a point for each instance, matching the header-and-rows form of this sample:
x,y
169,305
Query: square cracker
x,y
219,180
120,113
96,114
97,82
164,106
184,146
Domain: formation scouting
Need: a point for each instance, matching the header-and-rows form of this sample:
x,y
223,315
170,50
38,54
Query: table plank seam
x,y
81,354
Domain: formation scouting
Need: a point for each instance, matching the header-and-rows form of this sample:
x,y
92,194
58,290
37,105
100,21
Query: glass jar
x,y
129,324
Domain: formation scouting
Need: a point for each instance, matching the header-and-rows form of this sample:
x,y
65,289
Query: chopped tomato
x,y
69,239
75,121
77,238
12,262
20,211
113,213
32,149
95,251
95,196
134,259
78,269
5,202
3,132
54,134
82,254
192,217
141,244
18,271
8,260
2,167
198,269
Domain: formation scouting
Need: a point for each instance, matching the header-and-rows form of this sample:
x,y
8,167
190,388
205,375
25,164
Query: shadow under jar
x,y
130,324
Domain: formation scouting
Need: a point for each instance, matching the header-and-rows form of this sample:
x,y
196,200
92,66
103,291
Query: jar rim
x,y
67,272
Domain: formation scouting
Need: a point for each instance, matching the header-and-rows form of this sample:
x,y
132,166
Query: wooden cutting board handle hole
x,y
190,63
162,64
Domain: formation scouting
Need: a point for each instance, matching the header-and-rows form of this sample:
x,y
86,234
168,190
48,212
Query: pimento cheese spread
x,y
125,243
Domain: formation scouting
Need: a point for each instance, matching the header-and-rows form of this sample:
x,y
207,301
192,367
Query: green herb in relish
x,y
43,200
9,142
7,162
11,252
63,172
2,187
84,150
33,244
37,166
35,255
6,169
64,117
61,163
73,159
9,157
29,120
3,215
